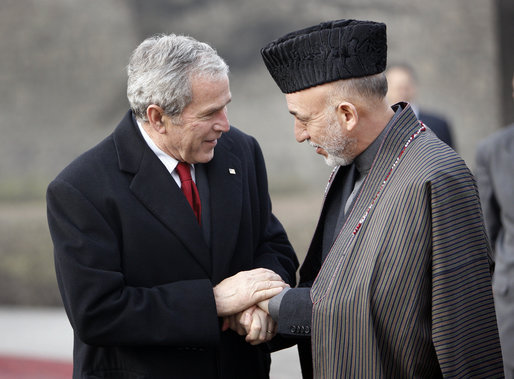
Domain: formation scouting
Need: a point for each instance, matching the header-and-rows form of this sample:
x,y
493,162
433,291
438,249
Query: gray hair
x,y
372,86
160,72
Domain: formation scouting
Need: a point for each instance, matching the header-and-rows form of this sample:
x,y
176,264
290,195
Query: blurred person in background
x,y
402,86
397,279
495,177
164,231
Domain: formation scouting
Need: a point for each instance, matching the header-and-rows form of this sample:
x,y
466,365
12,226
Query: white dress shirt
x,y
169,162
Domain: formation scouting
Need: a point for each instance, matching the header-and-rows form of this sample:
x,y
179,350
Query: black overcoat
x,y
135,271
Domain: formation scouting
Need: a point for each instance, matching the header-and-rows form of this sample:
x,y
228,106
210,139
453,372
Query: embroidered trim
x,y
412,137
332,174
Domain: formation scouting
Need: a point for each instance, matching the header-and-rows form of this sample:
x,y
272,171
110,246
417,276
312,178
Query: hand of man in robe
x,y
264,305
256,324
245,289
262,327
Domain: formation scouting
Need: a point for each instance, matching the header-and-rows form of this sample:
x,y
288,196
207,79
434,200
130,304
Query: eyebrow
x,y
298,116
214,109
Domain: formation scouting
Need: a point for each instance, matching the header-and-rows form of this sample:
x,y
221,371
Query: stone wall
x,y
62,76
62,89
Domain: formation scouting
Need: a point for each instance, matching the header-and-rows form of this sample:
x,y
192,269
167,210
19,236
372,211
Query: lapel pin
x,y
231,171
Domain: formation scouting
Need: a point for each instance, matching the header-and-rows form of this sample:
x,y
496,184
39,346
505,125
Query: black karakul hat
x,y
325,53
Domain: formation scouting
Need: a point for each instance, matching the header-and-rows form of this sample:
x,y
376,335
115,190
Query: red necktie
x,y
189,189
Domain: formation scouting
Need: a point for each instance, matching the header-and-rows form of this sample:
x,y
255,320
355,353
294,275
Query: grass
x,y
27,274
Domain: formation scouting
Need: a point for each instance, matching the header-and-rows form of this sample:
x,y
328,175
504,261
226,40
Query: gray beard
x,y
333,161
338,147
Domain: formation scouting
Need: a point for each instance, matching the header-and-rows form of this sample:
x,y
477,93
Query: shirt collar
x,y
169,162
364,161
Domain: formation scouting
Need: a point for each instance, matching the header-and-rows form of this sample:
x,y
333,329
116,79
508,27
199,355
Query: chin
x,y
205,158
333,161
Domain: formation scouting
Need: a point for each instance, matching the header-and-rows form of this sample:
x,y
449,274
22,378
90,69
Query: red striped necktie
x,y
189,189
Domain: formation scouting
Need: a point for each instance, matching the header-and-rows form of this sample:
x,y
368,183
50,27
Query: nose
x,y
300,132
222,124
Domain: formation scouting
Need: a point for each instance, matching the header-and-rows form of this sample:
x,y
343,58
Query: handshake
x,y
242,301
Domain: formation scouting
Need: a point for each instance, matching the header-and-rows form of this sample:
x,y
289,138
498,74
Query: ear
x,y
155,115
347,114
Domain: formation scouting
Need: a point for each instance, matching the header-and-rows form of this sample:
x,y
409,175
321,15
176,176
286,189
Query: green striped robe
x,y
409,294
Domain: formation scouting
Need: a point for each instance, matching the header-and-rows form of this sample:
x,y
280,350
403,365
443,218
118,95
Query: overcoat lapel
x,y
155,188
225,175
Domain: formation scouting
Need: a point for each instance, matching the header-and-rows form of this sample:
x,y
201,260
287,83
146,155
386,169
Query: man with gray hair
x,y
160,243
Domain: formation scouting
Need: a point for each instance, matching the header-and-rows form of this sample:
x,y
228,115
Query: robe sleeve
x,y
464,329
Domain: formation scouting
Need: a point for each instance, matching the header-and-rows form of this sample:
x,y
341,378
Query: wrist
x,y
220,304
274,304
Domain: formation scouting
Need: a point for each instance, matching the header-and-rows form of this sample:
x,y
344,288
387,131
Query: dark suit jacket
x,y
135,271
439,126
495,177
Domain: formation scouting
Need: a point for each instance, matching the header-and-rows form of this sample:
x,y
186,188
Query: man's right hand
x,y
246,288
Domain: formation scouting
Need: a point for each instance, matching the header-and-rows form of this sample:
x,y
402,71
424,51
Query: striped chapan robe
x,y
405,291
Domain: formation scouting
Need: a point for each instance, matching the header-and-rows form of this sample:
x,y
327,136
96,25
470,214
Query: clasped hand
x,y
236,298
254,323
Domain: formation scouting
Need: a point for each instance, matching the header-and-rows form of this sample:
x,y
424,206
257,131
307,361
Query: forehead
x,y
307,102
210,92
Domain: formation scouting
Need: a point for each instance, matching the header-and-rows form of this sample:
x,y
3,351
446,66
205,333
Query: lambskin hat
x,y
325,53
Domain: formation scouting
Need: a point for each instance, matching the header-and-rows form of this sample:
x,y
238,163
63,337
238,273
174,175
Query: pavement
x,y
37,343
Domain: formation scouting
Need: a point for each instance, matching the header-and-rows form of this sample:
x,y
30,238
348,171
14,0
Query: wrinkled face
x,y
338,146
318,124
203,122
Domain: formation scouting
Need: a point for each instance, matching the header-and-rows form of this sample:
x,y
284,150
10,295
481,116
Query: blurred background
x,y
63,83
